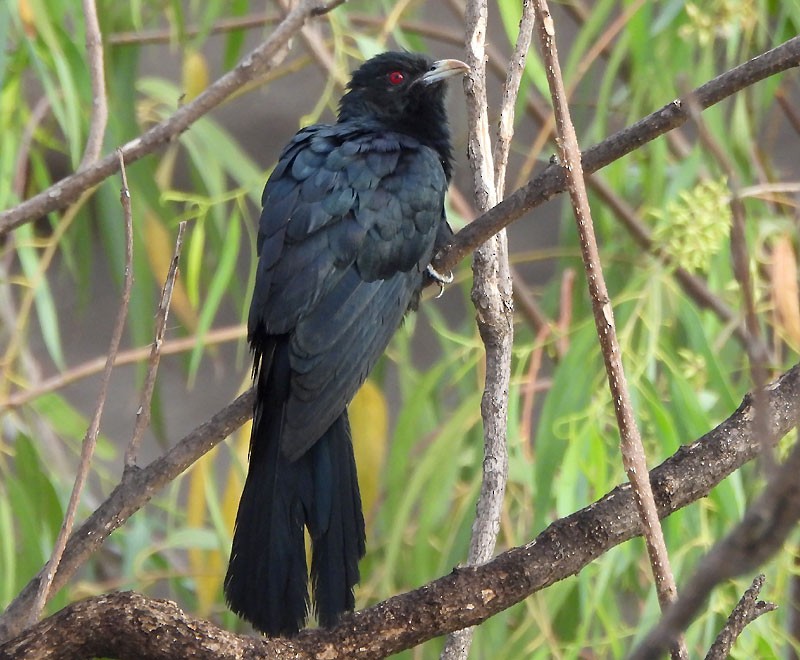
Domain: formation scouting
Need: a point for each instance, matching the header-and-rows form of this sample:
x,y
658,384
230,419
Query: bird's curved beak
x,y
442,70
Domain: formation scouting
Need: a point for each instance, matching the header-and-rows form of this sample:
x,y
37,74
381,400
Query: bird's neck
x,y
427,123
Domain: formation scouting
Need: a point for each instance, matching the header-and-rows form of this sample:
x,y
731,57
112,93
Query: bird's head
x,y
403,91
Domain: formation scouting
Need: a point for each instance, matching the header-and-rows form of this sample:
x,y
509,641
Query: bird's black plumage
x,y
352,215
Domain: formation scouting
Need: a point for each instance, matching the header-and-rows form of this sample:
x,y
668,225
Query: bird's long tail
x,y
267,578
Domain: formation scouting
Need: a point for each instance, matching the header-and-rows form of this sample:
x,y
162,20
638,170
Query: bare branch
x,y
39,112
465,597
162,313
315,45
747,610
48,572
492,298
505,125
131,356
762,532
94,54
263,58
553,180
631,447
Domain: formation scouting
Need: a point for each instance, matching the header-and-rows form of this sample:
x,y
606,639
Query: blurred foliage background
x,y
417,423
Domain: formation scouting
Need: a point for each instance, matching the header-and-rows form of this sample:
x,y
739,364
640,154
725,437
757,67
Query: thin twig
x,y
762,532
167,35
565,311
747,610
529,393
162,313
633,455
261,59
315,45
39,112
130,356
99,115
48,572
505,124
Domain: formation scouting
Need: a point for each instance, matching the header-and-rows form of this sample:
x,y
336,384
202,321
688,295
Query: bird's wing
x,y
349,224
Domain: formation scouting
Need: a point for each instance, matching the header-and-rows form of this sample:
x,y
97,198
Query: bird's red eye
x,y
396,77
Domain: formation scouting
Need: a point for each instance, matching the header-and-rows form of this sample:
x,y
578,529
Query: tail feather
x,y
267,578
336,523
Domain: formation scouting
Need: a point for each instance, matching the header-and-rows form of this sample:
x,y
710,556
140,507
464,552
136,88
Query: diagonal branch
x,y
631,446
747,610
465,597
162,313
263,58
48,571
552,180
126,499
761,533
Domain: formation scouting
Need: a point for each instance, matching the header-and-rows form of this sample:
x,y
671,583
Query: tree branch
x,y
262,59
492,297
162,313
48,571
97,72
747,610
553,181
465,597
761,533
631,446
126,499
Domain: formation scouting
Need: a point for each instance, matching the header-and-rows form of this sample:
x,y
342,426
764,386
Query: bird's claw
x,y
439,278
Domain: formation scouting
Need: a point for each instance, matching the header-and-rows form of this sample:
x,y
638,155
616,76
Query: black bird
x,y
352,215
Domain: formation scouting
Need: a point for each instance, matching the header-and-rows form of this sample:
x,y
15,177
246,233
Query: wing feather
x,y
349,224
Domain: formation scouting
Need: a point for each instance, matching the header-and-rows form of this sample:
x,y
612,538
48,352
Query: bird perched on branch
x,y
352,216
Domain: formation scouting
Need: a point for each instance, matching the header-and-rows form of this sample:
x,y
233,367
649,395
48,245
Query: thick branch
x,y
468,596
128,625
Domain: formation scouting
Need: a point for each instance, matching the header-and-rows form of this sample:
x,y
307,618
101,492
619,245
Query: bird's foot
x,y
439,278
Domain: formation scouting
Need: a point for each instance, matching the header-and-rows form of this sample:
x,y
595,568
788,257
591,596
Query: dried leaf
x,y
785,292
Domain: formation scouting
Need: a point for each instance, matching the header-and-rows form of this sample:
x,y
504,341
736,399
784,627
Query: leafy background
x,y
416,423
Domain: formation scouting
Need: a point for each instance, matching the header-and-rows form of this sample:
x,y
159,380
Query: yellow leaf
x,y
235,481
27,17
204,565
195,74
369,422
160,246
785,292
